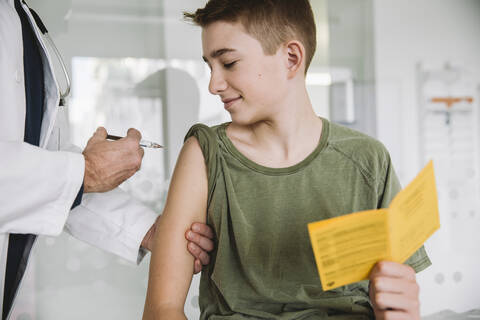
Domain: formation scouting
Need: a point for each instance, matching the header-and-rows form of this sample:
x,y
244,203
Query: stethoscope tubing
x,y
66,93
43,29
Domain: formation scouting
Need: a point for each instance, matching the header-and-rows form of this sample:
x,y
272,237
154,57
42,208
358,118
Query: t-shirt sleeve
x,y
391,186
206,137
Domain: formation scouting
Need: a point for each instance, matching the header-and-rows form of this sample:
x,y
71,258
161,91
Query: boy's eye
x,y
229,65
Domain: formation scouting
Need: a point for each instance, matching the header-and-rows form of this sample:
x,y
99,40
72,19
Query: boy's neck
x,y
288,136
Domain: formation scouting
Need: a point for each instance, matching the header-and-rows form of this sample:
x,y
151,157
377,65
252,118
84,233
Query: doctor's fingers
x,y
198,253
99,135
197,266
131,143
129,153
202,229
134,134
200,240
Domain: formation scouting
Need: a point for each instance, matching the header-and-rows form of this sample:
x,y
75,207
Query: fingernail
x,y
189,234
195,228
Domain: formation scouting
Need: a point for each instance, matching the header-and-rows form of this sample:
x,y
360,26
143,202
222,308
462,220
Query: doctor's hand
x,y
394,291
109,163
200,242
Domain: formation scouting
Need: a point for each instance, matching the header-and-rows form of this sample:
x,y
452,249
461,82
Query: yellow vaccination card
x,y
347,247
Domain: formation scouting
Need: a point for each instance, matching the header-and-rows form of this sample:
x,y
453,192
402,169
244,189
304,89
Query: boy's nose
x,y
217,83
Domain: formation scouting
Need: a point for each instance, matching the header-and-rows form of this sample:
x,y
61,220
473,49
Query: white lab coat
x,y
39,184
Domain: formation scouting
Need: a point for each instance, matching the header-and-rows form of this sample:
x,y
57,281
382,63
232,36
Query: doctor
x,y
45,185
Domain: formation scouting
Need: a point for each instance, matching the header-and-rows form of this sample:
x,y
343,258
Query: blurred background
x,y
404,71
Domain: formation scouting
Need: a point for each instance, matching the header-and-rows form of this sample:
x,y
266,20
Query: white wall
x,y
431,32
408,32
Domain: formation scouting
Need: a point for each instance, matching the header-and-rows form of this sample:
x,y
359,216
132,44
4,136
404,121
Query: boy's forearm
x,y
171,270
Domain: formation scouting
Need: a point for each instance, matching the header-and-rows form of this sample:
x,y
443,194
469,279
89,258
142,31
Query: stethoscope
x,y
63,95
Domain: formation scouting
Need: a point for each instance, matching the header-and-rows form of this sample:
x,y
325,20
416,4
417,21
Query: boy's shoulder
x,y
366,152
347,137
211,130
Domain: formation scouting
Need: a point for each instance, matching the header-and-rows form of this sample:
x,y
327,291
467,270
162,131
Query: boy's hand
x,y
394,291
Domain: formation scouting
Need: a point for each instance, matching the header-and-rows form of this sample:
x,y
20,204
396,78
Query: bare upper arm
x,y
171,265
188,189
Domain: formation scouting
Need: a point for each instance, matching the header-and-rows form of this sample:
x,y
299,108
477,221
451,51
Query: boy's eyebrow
x,y
218,53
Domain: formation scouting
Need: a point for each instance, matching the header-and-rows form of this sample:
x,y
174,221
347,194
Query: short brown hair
x,y
271,22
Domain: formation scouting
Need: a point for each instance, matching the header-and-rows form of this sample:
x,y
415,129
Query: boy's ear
x,y
295,57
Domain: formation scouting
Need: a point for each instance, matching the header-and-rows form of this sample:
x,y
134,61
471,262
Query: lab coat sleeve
x,y
37,188
112,221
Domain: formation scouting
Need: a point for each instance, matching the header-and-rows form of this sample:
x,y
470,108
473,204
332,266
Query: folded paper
x,y
347,247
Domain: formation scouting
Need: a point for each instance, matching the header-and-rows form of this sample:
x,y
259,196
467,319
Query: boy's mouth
x,y
230,101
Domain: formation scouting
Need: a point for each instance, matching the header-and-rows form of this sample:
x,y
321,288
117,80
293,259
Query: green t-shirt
x,y
263,265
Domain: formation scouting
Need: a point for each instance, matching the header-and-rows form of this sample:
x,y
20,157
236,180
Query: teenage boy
x,y
260,179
